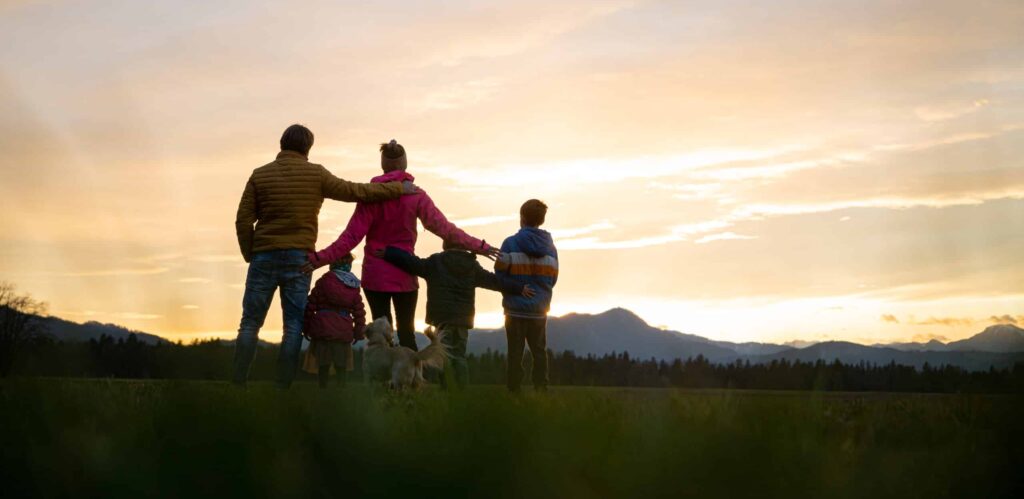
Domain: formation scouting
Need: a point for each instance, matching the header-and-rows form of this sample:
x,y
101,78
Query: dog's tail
x,y
434,354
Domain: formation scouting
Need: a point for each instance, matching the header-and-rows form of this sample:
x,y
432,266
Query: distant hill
x,y
1001,338
932,346
998,338
619,330
64,330
852,353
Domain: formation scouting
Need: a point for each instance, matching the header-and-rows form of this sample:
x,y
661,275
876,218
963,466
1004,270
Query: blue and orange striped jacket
x,y
529,257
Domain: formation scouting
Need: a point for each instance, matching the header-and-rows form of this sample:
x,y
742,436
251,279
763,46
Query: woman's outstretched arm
x,y
354,232
435,221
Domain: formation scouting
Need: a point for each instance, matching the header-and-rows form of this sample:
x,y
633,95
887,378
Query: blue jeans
x,y
268,271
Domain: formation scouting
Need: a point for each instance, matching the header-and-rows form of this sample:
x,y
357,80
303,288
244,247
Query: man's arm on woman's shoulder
x,y
343,190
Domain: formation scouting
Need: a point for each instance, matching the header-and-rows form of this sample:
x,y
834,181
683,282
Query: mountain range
x,y
619,330
65,330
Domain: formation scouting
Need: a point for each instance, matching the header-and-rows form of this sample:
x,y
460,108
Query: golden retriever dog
x,y
401,366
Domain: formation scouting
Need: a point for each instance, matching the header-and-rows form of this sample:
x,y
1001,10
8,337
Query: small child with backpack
x,y
334,319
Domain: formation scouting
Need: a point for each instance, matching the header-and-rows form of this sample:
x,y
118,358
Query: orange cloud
x,y
1006,319
944,321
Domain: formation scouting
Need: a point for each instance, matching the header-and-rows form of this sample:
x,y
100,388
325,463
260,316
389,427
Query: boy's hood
x,y
535,242
393,176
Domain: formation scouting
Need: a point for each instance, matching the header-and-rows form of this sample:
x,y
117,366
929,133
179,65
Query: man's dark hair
x,y
297,138
533,212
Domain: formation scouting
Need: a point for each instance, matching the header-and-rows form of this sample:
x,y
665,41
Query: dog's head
x,y
379,332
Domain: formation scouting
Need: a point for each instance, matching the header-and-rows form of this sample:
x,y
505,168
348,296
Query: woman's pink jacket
x,y
393,223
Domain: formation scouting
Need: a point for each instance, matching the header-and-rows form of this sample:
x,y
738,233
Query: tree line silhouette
x,y
211,359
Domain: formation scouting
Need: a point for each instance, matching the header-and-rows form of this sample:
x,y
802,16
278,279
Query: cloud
x,y
754,211
190,307
597,171
521,29
215,258
460,95
944,141
771,170
700,227
692,191
136,316
111,272
944,321
580,231
95,314
947,111
195,280
479,221
931,321
723,236
160,257
676,234
1005,319
593,243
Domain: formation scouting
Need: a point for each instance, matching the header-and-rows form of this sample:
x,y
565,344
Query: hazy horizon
x,y
795,343
787,171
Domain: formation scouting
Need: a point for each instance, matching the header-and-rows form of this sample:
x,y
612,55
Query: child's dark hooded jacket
x,y
452,278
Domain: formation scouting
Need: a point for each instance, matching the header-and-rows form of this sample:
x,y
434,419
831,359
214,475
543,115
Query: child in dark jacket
x,y
452,278
528,257
334,319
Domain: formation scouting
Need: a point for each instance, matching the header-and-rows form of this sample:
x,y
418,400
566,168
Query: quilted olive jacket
x,y
282,200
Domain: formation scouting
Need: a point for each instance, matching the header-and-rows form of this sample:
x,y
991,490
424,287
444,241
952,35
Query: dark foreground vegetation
x,y
211,360
123,438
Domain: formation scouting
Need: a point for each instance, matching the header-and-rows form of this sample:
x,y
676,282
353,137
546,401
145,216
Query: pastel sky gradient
x,y
763,171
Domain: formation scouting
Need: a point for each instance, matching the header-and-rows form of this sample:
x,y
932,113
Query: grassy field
x,y
104,438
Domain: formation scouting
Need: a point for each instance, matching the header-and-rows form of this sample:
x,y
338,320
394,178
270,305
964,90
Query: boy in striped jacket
x,y
528,257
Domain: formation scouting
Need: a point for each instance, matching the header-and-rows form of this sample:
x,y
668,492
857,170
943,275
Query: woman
x,y
393,223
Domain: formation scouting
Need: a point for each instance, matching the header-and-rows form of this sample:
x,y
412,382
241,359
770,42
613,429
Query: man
x,y
528,257
282,199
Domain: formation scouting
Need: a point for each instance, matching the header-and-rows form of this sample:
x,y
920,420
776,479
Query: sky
x,y
744,171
